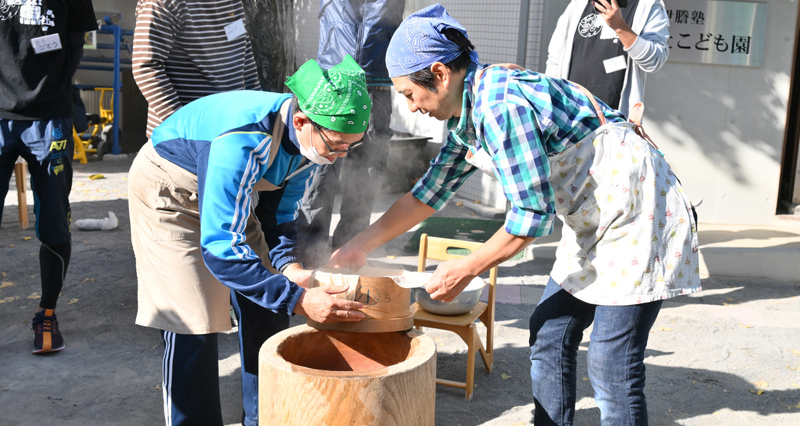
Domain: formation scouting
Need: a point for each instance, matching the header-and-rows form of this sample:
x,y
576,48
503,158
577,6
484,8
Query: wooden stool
x,y
22,196
463,325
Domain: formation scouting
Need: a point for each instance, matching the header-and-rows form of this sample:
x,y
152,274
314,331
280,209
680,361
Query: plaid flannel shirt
x,y
519,118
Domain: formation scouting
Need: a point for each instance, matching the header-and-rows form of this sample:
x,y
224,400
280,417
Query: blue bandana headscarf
x,y
418,42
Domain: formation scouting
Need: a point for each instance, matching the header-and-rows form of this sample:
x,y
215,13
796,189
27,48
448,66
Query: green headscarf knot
x,y
336,99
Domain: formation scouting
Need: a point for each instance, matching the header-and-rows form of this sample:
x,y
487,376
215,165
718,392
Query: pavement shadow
x,y
677,394
111,372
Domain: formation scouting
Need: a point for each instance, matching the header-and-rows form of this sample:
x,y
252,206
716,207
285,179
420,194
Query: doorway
x,y
789,187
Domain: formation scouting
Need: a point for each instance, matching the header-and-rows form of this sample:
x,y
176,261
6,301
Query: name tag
x,y
46,43
615,64
235,29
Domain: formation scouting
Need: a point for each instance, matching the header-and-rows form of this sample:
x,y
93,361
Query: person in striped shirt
x,y
629,238
186,49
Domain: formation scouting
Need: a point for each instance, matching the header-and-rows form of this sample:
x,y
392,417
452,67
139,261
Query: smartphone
x,y
621,3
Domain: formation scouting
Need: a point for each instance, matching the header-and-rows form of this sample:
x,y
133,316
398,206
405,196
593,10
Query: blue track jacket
x,y
225,140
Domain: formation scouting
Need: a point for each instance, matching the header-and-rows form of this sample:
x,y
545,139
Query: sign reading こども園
x,y
717,32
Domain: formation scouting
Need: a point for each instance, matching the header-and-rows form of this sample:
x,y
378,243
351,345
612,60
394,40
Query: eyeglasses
x,y
350,147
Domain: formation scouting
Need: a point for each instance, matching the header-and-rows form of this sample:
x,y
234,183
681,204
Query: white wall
x,y
722,127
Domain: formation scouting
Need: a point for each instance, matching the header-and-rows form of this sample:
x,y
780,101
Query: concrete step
x,y
771,252
741,251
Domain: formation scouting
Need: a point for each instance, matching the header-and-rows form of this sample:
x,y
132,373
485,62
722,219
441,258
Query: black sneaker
x,y
46,337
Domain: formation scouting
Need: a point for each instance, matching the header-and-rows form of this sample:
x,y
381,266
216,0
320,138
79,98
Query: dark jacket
x,y
361,29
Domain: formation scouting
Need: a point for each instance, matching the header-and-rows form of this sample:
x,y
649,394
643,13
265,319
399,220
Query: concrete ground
x,y
729,355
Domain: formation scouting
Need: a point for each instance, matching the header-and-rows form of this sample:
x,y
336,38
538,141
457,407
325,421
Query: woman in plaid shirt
x,y
630,240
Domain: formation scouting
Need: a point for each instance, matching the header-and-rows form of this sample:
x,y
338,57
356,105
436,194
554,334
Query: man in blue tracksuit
x,y
197,241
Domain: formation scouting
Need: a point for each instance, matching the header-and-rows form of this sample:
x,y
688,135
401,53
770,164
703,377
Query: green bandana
x,y
337,98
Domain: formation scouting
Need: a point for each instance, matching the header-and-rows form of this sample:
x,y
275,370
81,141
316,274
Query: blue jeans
x,y
615,358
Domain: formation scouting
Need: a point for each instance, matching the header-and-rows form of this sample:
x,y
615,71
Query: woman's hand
x,y
452,277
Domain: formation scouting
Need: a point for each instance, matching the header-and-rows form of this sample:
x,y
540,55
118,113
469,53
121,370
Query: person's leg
x,y
50,166
556,327
256,325
363,169
53,261
190,381
48,151
616,362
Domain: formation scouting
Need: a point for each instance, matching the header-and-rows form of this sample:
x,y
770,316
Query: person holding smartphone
x,y
607,46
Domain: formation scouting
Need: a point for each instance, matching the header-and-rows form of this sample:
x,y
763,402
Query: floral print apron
x,y
630,236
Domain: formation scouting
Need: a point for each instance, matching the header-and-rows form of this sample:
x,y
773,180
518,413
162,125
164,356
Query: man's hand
x,y
612,14
298,275
318,304
453,276
449,280
610,11
349,256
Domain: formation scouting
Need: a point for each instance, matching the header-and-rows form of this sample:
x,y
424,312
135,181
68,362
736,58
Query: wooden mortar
x,y
334,378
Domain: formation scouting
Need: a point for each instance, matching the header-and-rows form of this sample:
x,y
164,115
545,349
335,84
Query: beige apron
x,y
176,290
630,236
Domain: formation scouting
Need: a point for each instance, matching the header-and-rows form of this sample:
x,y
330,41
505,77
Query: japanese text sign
x,y
717,32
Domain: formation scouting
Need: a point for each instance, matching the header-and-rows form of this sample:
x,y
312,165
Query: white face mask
x,y
313,155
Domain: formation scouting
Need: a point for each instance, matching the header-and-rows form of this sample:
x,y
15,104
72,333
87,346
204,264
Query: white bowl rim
x,y
477,283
